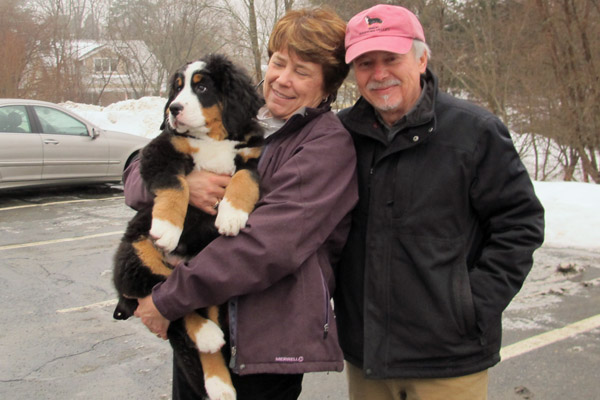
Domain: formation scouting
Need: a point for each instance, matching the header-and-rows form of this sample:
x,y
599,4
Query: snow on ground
x,y
572,214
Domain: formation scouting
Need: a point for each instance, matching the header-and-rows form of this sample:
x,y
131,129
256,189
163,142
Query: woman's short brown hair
x,y
314,35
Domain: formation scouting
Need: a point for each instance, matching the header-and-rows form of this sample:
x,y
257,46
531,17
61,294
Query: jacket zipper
x,y
233,332
326,324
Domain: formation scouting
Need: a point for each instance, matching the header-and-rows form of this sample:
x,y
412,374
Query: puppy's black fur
x,y
218,93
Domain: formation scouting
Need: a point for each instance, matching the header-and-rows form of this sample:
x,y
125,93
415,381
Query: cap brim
x,y
393,44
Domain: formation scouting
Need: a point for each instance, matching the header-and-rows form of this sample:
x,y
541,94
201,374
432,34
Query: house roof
x,y
85,48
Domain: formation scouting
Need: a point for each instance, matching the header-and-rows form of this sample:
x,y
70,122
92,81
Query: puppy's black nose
x,y
175,108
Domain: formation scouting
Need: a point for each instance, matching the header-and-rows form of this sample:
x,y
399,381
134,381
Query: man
x,y
443,235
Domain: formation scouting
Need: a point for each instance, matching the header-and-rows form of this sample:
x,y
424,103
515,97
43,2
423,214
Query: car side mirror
x,y
94,133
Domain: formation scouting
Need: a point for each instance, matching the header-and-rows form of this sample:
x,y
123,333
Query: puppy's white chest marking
x,y
216,156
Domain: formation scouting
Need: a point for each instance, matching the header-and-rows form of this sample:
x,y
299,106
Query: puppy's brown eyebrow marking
x,y
197,77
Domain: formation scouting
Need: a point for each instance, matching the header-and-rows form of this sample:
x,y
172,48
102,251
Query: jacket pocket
x,y
463,300
429,304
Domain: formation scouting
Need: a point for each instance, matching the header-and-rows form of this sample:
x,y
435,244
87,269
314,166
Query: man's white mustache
x,y
383,85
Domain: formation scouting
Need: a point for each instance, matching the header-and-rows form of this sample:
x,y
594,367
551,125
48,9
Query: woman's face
x,y
291,83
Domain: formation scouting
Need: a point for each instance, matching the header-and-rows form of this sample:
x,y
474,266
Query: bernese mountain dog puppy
x,y
210,124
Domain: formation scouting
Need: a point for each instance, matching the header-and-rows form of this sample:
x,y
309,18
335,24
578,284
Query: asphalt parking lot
x,y
59,340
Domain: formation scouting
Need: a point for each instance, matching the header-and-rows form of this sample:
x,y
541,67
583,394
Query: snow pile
x,y
139,117
572,215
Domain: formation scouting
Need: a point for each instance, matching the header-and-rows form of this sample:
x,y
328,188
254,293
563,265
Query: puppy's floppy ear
x,y
239,97
172,94
163,125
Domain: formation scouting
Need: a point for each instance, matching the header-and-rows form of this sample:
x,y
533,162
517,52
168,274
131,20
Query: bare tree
x,y
19,38
144,73
175,31
56,77
570,44
535,63
346,9
251,22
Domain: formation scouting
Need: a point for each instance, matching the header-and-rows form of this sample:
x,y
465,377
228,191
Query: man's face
x,y
390,82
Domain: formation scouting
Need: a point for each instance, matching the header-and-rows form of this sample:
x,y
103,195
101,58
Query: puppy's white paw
x,y
218,390
210,338
230,219
165,234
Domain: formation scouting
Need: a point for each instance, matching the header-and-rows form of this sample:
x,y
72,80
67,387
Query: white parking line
x,y
544,339
59,202
45,242
506,353
101,304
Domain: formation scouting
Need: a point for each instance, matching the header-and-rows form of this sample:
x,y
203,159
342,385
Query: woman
x,y
277,274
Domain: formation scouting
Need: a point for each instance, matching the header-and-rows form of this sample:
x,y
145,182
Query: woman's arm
x,y
304,203
136,194
206,189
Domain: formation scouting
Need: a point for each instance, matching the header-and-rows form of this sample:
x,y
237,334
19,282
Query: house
x,y
112,71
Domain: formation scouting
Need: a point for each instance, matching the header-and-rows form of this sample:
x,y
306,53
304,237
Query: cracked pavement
x,y
59,340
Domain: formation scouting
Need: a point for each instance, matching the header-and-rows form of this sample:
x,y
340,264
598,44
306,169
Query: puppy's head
x,y
212,97
193,106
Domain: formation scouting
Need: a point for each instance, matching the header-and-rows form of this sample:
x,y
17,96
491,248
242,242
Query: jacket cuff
x,y
162,303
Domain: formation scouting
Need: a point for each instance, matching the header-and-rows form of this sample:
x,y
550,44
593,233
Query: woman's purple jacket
x,y
277,274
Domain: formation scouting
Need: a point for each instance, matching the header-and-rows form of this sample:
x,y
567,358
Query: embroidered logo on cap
x,y
371,21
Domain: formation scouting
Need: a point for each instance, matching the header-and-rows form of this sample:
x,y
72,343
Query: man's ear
x,y
423,63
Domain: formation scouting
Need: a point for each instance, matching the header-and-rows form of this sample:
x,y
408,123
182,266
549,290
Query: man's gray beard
x,y
385,106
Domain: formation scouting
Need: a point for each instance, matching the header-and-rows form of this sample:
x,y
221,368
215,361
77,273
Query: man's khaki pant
x,y
469,387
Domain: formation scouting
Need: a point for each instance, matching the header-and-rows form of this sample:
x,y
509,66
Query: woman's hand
x,y
151,317
207,190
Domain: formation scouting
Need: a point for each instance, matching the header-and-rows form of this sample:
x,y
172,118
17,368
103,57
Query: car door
x,y
21,154
71,150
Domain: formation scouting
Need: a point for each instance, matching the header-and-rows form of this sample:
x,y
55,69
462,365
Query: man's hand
x,y
207,190
151,317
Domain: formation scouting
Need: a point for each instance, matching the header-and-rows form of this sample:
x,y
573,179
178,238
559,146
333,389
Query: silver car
x,y
42,143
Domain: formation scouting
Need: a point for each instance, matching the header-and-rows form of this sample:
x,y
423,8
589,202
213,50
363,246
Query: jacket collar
x,y
300,118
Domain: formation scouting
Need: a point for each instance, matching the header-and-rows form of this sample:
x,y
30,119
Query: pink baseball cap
x,y
382,27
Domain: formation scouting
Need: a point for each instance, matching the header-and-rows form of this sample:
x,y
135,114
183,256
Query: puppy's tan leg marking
x,y
168,214
213,314
151,257
171,204
217,379
242,192
240,198
214,122
206,334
